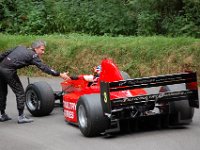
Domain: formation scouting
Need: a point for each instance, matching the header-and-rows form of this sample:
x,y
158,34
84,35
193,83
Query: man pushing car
x,y
12,60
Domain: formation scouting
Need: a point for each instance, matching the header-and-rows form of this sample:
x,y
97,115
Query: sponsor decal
x,y
35,55
69,114
146,81
69,110
152,97
69,105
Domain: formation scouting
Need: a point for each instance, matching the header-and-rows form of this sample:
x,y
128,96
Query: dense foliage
x,y
100,17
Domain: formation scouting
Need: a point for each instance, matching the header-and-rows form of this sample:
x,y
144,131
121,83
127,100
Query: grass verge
x,y
139,56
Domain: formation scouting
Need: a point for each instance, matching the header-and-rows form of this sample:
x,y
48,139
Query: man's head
x,y
97,70
39,47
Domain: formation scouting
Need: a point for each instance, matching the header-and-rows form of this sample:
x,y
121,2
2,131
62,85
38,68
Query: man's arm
x,y
37,62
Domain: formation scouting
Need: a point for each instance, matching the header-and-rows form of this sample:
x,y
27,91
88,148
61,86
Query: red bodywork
x,y
73,89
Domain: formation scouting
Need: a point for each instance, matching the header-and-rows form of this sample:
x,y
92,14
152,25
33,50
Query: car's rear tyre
x,y
125,75
39,99
90,115
180,111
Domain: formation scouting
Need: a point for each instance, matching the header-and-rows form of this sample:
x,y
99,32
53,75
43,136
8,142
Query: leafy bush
x,y
99,17
147,24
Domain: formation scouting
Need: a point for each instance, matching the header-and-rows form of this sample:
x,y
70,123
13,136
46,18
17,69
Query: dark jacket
x,y
20,57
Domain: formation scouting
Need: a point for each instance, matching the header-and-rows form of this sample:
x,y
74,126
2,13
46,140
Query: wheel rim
x,y
32,100
82,116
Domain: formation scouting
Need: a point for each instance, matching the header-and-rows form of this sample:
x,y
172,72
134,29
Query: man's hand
x,y
65,76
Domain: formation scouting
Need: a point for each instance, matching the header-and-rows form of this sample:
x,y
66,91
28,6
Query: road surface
x,y
53,133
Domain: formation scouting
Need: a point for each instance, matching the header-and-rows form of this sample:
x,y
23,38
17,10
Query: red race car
x,y
100,105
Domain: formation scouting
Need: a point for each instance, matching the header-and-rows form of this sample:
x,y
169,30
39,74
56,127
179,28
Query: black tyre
x,y
90,115
39,99
125,75
180,111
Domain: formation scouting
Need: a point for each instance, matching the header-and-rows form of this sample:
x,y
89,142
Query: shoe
x,y
24,119
4,117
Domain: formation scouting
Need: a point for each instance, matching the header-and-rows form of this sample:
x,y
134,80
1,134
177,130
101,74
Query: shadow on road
x,y
142,127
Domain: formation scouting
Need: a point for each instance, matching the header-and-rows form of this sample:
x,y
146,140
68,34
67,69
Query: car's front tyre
x,y
39,99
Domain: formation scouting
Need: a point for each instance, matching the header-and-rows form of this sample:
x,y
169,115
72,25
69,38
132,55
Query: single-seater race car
x,y
99,107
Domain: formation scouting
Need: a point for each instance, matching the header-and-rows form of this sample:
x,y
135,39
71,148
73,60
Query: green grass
x,y
139,56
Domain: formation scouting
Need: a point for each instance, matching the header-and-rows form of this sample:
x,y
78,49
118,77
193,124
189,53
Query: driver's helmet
x,y
97,70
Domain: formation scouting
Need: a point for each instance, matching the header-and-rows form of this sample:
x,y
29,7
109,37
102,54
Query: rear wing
x,y
189,78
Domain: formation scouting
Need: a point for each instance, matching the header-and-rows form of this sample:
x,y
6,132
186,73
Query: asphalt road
x,y
53,133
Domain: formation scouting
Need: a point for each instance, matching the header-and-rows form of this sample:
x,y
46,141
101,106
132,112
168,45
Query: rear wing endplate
x,y
189,78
